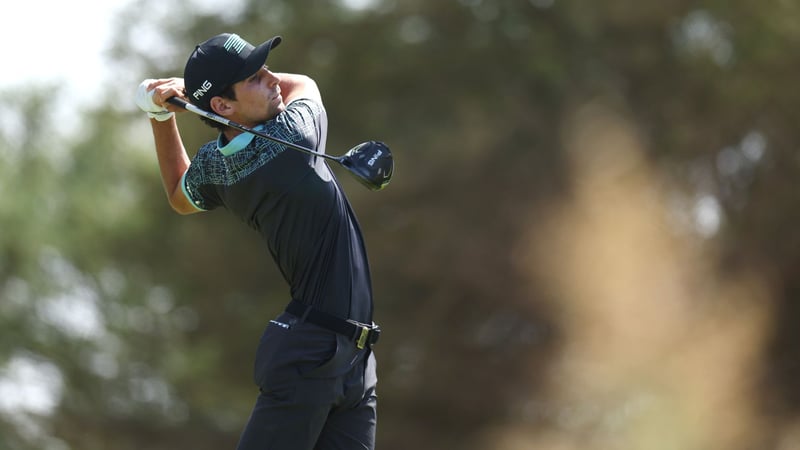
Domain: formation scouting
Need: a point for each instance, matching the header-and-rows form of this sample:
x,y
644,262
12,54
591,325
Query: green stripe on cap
x,y
235,44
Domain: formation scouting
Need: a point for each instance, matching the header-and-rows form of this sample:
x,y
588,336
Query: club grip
x,y
177,101
181,103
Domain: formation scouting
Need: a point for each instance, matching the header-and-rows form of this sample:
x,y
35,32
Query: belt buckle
x,y
362,338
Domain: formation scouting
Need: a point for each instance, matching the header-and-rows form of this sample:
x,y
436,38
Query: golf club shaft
x,y
217,118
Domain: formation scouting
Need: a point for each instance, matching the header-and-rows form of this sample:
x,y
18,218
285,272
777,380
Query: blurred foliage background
x,y
590,240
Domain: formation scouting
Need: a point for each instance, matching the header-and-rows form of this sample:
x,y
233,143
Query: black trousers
x,y
317,391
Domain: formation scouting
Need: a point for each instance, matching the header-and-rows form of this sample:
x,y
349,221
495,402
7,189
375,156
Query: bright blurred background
x,y
589,241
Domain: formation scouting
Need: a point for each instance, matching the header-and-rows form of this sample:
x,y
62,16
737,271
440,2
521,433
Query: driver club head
x,y
371,163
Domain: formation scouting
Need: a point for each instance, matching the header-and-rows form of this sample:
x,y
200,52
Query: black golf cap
x,y
221,61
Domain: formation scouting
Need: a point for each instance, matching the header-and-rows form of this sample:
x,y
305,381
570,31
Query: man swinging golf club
x,y
314,366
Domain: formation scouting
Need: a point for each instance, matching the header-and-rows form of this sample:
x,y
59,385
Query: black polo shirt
x,y
295,203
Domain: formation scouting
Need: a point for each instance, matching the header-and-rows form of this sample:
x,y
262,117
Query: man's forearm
x,y
172,161
294,86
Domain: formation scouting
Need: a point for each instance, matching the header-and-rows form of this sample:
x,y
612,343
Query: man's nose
x,y
272,79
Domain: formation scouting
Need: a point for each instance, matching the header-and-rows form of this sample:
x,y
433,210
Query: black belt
x,y
361,333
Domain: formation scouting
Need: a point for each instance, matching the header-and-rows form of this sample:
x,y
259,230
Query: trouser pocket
x,y
270,365
344,358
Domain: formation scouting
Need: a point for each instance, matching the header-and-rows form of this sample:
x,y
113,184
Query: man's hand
x,y
151,97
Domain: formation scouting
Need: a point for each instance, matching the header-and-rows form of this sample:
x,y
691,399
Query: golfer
x,y
314,366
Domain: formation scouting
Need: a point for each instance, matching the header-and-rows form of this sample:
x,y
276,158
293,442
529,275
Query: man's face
x,y
258,98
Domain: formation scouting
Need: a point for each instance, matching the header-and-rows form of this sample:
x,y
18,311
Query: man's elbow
x,y
183,211
182,206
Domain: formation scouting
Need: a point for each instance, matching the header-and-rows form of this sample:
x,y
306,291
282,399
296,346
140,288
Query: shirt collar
x,y
236,144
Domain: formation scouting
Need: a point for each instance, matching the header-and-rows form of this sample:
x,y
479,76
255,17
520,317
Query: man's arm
x,y
295,86
172,158
173,163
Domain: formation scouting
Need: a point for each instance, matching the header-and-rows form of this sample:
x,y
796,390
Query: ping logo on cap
x,y
203,89
235,44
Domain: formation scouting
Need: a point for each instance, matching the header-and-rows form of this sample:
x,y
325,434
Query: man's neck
x,y
229,133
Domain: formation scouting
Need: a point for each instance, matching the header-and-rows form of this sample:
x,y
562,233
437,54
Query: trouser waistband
x,y
361,333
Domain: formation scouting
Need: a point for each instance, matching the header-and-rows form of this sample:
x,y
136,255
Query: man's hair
x,y
228,93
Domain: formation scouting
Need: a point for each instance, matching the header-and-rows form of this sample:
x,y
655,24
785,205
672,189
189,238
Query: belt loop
x,y
305,314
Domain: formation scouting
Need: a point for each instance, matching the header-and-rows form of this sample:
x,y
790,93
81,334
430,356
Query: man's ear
x,y
221,106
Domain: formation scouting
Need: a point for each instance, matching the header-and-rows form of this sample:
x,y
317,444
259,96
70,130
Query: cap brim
x,y
257,58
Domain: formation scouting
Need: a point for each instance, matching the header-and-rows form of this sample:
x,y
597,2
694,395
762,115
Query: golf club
x,y
370,162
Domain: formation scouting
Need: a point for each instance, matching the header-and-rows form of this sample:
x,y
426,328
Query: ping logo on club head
x,y
374,158
202,91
